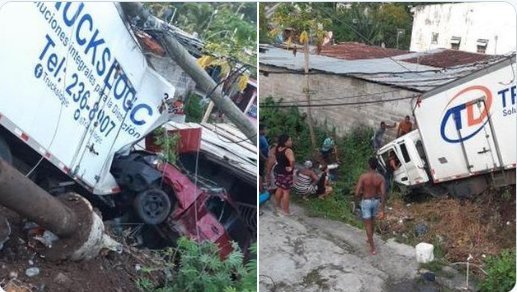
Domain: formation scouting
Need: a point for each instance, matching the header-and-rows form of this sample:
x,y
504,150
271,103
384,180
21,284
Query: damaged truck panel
x,y
82,82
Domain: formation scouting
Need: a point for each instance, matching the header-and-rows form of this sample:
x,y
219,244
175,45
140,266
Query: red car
x,y
177,204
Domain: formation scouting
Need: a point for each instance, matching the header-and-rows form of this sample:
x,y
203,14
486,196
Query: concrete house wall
x,y
289,86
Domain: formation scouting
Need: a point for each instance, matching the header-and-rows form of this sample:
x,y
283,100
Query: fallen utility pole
x,y
26,198
70,217
203,81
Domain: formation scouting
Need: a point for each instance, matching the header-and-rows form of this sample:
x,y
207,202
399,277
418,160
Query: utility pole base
x,y
88,239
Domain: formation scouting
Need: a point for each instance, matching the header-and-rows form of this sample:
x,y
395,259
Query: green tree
x,y
263,26
227,29
370,23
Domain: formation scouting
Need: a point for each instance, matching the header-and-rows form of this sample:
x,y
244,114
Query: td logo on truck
x,y
456,114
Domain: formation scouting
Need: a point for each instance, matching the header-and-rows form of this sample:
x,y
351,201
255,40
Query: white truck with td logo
x,y
466,136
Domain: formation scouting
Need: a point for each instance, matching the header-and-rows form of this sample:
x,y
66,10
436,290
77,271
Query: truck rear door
x,y
479,146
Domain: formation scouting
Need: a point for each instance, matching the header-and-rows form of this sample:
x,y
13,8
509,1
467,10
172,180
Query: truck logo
x,y
455,113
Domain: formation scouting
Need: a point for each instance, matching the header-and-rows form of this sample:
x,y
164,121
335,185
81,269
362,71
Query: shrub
x,y
501,272
354,149
198,267
168,143
194,110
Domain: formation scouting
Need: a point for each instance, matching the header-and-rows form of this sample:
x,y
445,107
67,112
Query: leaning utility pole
x,y
308,92
188,63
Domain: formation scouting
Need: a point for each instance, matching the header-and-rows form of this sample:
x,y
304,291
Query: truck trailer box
x,y
76,85
468,127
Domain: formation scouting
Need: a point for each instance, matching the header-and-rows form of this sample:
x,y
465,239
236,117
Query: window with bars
x,y
481,45
455,43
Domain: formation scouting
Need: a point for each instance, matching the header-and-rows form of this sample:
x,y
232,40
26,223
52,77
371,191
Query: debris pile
x,y
457,228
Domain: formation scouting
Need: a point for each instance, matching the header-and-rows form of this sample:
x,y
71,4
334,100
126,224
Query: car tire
x,y
5,152
152,206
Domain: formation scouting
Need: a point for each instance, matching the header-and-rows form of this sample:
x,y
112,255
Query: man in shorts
x,y
371,194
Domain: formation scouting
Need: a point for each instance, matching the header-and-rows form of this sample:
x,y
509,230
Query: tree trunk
x,y
308,94
204,82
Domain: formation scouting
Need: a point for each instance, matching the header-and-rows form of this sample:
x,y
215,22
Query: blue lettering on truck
x,y
508,97
105,75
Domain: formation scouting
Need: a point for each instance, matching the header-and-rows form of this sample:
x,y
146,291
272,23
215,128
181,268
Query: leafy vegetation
x,y
194,110
306,24
168,143
263,26
228,31
364,22
198,267
291,122
501,272
353,149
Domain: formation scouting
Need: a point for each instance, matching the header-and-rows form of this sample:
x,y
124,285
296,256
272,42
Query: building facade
x,y
487,27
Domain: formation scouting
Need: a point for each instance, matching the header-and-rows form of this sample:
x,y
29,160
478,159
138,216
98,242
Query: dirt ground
x,y
479,227
107,272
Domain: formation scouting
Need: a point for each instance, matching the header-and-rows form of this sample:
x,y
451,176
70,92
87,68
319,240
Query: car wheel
x,y
5,152
152,206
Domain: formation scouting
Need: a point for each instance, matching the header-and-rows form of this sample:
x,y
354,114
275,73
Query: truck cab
x,y
412,168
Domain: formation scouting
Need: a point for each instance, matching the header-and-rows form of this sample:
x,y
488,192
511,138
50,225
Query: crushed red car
x,y
173,203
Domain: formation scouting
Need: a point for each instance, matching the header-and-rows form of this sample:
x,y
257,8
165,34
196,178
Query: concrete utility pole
x,y
188,63
71,217
308,93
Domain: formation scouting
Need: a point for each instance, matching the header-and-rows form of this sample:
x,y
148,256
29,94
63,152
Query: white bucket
x,y
424,252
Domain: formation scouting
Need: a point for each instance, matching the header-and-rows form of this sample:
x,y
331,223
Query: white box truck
x,y
77,93
466,136
76,87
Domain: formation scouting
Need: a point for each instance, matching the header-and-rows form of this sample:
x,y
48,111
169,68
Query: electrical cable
x,y
60,109
195,185
341,104
335,98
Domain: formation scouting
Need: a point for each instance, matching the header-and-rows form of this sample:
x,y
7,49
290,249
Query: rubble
x,y
62,279
421,229
32,272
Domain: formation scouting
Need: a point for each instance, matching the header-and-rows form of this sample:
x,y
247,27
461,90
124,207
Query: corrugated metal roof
x,y
285,59
358,51
447,58
389,71
227,145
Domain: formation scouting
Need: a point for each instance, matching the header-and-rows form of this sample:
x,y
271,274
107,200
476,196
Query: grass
x,y
336,207
354,150
434,266
456,228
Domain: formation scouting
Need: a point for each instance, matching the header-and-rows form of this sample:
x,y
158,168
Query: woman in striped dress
x,y
305,182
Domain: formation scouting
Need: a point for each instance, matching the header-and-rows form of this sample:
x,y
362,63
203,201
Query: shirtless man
x,y
370,191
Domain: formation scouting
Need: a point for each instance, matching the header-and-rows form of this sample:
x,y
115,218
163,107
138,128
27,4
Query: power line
x,y
338,98
340,104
